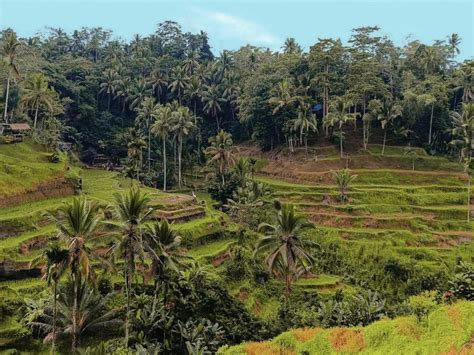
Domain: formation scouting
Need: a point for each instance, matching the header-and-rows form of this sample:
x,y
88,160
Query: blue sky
x,y
231,24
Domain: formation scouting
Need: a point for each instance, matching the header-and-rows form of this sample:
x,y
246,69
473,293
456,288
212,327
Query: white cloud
x,y
225,26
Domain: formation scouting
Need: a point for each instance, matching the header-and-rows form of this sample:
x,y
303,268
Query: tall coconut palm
x,y
158,80
10,51
135,153
343,179
288,256
338,116
465,82
372,114
37,94
178,81
123,90
304,123
182,127
191,62
463,134
77,222
56,259
220,151
453,42
389,112
283,96
162,128
163,246
93,312
212,98
140,90
108,85
193,92
291,46
131,210
146,114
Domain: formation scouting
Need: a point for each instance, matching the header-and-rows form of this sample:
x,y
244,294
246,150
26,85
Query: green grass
x,y
25,165
447,329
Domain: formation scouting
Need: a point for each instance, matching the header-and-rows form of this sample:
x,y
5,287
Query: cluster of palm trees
x,y
78,224
207,85
171,120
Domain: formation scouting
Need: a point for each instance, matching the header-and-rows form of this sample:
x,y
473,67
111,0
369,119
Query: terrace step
x,y
181,215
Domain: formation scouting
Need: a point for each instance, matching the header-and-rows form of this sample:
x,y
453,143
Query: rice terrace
x,y
207,188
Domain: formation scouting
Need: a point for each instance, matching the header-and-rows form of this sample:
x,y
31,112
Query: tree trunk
x,y
55,311
149,147
6,99
74,316
217,122
384,141
340,143
155,295
180,150
431,123
364,133
469,199
108,102
164,163
36,114
413,165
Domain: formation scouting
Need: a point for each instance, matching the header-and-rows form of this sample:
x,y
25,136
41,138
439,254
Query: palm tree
x,y
146,114
282,96
389,112
288,258
182,126
191,62
10,49
131,210
212,99
304,123
338,116
77,222
93,315
158,80
37,94
135,153
56,259
123,88
465,82
343,179
178,81
162,128
463,137
291,46
231,90
372,114
108,86
140,90
453,42
193,91
220,151
162,244
225,62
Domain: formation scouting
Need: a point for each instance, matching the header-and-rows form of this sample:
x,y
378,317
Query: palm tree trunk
x,y
340,142
155,295
180,150
217,122
149,147
468,198
413,164
6,99
74,316
364,134
431,123
164,164
36,114
127,293
108,102
384,141
55,310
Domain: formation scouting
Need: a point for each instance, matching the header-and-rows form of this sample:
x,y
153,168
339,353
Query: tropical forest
x,y
160,197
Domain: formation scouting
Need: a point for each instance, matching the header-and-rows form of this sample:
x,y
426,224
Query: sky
x,y
266,23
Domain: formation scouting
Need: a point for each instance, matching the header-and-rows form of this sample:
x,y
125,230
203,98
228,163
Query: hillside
x,y
447,330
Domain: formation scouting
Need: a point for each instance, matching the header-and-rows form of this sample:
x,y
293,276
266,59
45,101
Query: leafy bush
x,y
462,283
423,304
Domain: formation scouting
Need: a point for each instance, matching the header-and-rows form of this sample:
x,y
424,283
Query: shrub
x,y
421,305
462,283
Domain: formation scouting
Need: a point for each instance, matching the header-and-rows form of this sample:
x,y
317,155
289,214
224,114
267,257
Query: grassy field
x,y
447,330
22,166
